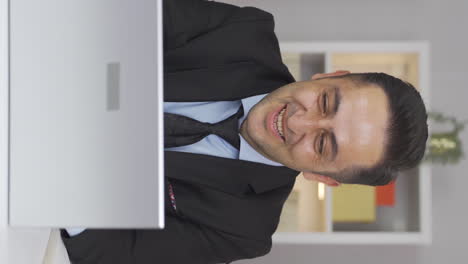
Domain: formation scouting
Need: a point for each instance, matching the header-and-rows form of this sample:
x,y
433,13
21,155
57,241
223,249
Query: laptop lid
x,y
86,142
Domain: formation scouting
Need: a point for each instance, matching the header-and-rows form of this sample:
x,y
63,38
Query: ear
x,y
325,75
320,178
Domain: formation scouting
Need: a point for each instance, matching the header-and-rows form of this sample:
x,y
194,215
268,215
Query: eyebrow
x,y
334,146
337,99
336,107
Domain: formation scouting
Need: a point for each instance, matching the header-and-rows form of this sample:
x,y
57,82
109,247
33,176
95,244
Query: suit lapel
x,y
237,177
227,82
225,65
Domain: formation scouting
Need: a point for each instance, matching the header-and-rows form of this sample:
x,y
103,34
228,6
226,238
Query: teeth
x,y
279,122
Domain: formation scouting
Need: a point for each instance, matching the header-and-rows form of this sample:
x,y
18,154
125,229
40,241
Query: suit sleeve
x,y
180,242
187,19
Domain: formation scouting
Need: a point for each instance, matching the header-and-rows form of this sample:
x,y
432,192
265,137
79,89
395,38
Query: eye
x,y
324,103
321,142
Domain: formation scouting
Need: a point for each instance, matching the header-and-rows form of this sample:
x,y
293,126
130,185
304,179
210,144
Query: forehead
x,y
360,124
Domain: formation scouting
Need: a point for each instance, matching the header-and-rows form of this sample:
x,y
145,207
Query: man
x,y
225,195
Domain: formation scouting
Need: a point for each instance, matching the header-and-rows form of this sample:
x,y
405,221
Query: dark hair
x,y
406,133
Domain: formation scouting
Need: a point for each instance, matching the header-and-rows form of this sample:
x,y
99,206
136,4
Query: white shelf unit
x,y
411,221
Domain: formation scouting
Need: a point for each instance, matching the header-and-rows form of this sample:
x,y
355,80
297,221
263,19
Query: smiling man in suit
x,y
226,190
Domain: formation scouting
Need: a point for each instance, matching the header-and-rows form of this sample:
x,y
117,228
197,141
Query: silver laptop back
x,y
86,142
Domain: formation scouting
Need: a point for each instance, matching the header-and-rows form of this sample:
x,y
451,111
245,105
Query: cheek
x,y
303,155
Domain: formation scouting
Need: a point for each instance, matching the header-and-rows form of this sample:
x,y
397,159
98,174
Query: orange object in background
x,y
386,195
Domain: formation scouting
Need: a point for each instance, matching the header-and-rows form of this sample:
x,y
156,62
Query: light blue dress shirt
x,y
213,112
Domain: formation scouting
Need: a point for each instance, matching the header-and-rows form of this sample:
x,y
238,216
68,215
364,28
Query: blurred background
x,y
442,24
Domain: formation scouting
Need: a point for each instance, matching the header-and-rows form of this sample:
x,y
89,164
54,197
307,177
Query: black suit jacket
x,y
226,209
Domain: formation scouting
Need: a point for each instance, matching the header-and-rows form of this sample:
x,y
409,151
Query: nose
x,y
302,122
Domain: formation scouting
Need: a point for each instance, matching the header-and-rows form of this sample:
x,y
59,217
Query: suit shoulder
x,y
251,14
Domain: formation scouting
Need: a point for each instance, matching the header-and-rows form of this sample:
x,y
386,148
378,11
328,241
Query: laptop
x,y
86,114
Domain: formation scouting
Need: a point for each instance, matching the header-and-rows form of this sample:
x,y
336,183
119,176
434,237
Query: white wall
x,y
445,25
3,112
3,131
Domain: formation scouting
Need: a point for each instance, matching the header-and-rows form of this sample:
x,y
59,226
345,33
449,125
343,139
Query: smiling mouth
x,y
278,122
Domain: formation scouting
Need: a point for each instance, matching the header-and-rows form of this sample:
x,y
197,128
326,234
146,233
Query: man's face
x,y
327,125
